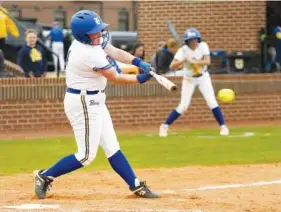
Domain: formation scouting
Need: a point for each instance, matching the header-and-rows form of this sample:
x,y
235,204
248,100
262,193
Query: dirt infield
x,y
236,188
182,189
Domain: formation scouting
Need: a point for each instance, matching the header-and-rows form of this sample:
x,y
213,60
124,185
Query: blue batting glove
x,y
142,78
144,66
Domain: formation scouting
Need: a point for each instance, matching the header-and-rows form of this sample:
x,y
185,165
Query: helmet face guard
x,y
104,38
188,41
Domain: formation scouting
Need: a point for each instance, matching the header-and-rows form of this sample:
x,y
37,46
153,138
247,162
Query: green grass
x,y
150,151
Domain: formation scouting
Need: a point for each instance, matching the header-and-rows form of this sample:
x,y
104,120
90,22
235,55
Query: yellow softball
x,y
226,95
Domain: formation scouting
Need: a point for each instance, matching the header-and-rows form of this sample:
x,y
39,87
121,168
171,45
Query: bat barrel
x,y
174,88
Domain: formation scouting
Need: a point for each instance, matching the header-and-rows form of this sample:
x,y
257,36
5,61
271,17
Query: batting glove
x,y
142,78
144,66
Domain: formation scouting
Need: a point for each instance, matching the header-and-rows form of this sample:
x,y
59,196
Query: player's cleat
x,y
163,131
41,184
224,130
143,191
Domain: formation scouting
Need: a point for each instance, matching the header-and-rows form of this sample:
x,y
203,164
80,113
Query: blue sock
x,y
174,115
122,167
64,166
218,115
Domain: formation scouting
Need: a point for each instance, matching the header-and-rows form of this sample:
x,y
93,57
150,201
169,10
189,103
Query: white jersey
x,y
82,64
197,54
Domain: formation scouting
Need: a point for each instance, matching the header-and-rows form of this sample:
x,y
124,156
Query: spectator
x,y
277,33
160,45
222,55
165,56
271,59
56,37
7,25
31,56
138,50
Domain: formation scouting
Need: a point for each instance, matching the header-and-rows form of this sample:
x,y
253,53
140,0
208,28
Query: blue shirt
x,y
32,60
56,34
278,45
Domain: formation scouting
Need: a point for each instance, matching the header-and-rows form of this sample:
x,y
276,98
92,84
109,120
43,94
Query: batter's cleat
x,y
163,130
41,184
224,130
143,191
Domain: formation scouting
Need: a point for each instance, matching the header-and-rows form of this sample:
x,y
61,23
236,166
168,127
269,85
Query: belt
x,y
199,75
76,91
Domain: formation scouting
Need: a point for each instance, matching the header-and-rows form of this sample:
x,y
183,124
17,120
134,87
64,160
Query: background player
x,y
56,38
194,56
91,61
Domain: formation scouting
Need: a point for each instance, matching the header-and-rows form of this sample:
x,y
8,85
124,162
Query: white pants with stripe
x,y
92,125
205,86
58,48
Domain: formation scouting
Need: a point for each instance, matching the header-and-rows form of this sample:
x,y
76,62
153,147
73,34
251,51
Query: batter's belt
x,y
76,91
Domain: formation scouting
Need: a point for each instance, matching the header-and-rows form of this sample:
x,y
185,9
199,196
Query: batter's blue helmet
x,y
86,22
191,33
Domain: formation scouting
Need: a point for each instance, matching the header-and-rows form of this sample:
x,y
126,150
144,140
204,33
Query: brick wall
x,y
230,25
38,103
31,114
140,111
46,14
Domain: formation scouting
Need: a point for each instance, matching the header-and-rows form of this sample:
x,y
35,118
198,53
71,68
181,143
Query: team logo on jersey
x,y
35,55
97,20
93,102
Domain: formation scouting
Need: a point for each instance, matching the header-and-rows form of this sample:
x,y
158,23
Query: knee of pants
x,y
212,103
85,159
182,108
111,150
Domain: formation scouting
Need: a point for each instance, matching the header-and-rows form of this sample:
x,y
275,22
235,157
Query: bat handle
x,y
152,71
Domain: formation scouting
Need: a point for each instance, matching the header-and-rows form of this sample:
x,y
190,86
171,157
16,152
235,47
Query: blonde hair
x,y
172,43
28,31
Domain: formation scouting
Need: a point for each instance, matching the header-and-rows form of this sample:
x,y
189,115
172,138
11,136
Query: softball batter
x,y
90,62
194,56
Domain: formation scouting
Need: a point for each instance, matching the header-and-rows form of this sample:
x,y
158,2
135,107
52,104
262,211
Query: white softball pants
x,y
92,125
58,48
205,86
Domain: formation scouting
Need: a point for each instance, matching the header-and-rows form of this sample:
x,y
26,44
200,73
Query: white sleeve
x,y
98,59
205,48
179,55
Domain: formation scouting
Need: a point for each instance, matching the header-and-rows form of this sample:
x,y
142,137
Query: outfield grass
x,y
150,151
